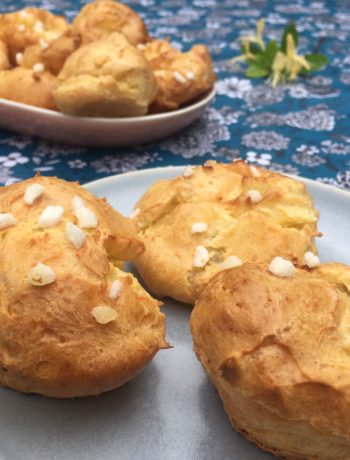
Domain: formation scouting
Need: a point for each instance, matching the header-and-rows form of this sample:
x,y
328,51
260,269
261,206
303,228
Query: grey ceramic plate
x,y
170,411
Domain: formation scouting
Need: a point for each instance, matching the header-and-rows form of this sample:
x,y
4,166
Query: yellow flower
x,y
257,38
259,31
295,62
278,66
246,49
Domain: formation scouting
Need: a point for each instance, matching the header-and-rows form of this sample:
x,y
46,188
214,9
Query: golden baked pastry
x,y
215,216
4,58
101,18
26,86
29,26
54,54
107,78
72,322
277,349
180,77
155,48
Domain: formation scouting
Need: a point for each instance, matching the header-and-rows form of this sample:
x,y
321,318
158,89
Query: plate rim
x,y
202,102
179,168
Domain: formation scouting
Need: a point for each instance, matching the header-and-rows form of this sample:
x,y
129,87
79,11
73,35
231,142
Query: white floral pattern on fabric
x,y
300,128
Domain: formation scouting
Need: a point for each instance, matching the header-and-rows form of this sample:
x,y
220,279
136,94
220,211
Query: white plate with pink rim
x,y
99,132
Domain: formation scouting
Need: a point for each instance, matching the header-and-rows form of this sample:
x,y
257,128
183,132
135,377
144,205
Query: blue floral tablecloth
x,y
301,128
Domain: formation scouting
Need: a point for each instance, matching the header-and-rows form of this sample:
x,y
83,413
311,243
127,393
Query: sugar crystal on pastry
x,y
201,257
7,220
74,235
104,314
188,171
254,171
311,259
23,14
190,75
32,193
209,163
115,289
43,44
38,68
86,217
230,262
19,58
254,195
135,213
77,203
41,275
199,227
281,267
179,78
38,26
51,216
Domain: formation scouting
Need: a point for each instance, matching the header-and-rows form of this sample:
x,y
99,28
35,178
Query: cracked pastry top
x,y
181,77
277,349
217,216
73,323
101,18
30,26
108,78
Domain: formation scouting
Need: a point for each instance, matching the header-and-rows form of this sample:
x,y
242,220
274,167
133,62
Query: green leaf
x,y
316,61
253,48
289,30
256,72
270,52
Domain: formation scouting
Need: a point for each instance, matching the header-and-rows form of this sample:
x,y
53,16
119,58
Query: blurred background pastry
x,y
107,78
73,322
216,216
101,18
28,86
275,343
113,67
4,57
29,26
181,77
54,55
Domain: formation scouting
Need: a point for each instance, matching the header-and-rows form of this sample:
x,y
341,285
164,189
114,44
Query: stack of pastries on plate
x,y
104,64
270,325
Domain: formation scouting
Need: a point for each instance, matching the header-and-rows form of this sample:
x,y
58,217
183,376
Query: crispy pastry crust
x,y
277,349
55,54
102,18
50,342
181,77
23,85
108,78
282,223
27,27
4,58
